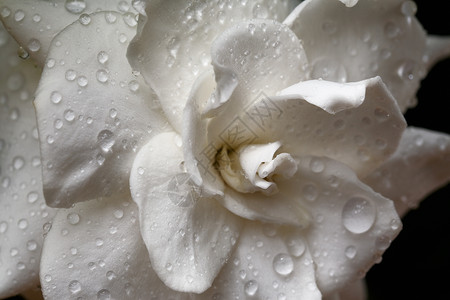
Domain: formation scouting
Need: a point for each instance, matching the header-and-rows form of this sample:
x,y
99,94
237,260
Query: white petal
x,y
262,56
420,165
332,97
94,250
438,48
173,43
362,135
93,113
269,262
35,23
22,206
189,236
351,224
373,38
355,291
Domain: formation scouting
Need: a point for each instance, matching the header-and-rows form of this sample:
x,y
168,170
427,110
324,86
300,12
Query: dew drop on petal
x,y
71,75
102,57
84,19
251,287
75,6
358,215
350,252
296,246
102,75
74,287
316,165
110,275
103,294
73,218
283,264
3,227
105,139
32,197
18,162
34,45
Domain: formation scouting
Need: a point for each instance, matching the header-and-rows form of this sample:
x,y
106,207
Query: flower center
x,y
253,168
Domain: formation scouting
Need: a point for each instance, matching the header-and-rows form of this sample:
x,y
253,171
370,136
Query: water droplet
x,y
329,69
69,115
130,19
350,252
407,70
34,45
31,245
47,278
14,114
99,242
74,287
73,218
310,192
118,214
110,275
113,113
19,15
102,75
71,75
106,140
20,266
317,165
58,124
380,114
358,215
102,57
133,85
283,264
251,287
82,81
296,246
75,6
32,197
84,19
110,17
3,227
409,8
18,162
103,294
22,224
22,53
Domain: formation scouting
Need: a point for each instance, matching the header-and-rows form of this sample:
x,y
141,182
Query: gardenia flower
x,y
231,155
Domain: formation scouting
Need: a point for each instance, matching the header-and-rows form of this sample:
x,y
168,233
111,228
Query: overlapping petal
x,y
23,212
373,38
352,224
270,262
94,251
173,43
35,23
418,167
189,236
93,112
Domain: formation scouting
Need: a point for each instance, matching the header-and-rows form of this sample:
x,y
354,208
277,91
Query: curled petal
x,y
418,167
23,212
189,236
174,39
93,113
357,123
94,251
373,38
35,23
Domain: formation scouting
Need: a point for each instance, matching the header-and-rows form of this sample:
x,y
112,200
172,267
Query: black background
x,y
417,265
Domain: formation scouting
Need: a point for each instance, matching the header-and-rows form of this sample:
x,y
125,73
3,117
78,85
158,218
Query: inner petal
x,y
252,168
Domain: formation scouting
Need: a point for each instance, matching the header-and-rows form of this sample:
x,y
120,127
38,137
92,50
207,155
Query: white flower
x,y
247,166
